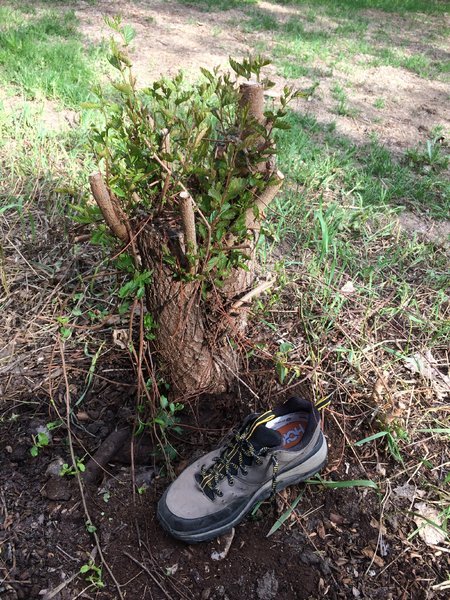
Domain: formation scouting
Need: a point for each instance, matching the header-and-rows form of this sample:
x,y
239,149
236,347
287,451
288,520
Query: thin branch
x,y
166,146
144,568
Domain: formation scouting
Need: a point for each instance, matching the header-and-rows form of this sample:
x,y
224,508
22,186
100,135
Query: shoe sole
x,y
314,464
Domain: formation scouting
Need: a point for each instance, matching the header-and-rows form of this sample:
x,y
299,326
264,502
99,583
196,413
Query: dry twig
x,y
78,477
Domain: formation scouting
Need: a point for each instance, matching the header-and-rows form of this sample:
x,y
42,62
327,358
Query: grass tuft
x,y
44,56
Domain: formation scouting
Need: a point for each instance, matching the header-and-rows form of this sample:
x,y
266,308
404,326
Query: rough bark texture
x,y
192,339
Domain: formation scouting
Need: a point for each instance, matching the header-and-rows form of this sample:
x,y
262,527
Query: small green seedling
x,y
282,366
392,436
90,527
93,574
40,441
67,469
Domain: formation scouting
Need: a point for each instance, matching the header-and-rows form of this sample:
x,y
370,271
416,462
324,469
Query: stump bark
x,y
196,337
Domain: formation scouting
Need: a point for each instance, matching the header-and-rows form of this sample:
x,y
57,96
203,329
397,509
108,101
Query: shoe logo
x,y
293,435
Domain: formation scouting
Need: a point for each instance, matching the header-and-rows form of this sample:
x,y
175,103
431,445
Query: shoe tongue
x,y
261,436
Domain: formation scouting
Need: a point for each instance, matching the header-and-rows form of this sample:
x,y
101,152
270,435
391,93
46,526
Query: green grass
x,y
397,6
338,217
300,40
44,55
318,158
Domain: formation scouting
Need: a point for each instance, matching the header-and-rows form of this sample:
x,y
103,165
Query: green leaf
x,y
375,436
34,451
281,371
286,347
124,88
66,332
236,187
343,484
128,33
209,76
238,68
90,527
287,513
42,439
85,568
444,430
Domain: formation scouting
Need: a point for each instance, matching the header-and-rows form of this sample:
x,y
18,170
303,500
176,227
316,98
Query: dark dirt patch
x,y
325,549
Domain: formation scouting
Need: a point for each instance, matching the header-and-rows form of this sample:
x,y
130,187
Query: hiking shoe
x,y
270,451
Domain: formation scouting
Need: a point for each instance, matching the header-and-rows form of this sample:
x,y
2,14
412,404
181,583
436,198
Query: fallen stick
x,y
262,287
55,591
144,568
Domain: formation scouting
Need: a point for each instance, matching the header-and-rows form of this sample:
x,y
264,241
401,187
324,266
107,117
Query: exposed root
x,y
108,449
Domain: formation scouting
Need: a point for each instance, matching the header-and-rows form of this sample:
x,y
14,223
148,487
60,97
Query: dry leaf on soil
x,y
425,365
431,535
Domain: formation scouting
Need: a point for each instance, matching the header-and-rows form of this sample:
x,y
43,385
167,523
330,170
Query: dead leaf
x,y
336,519
8,522
408,491
430,534
121,338
348,288
425,365
376,525
321,530
377,560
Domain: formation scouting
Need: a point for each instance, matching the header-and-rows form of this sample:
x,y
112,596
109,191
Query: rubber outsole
x,y
262,494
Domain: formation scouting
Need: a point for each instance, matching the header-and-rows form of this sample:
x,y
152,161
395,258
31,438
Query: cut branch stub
x,y
166,146
252,95
112,213
252,98
256,213
188,222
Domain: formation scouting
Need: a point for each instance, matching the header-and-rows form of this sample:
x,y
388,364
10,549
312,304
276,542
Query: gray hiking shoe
x,y
270,451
